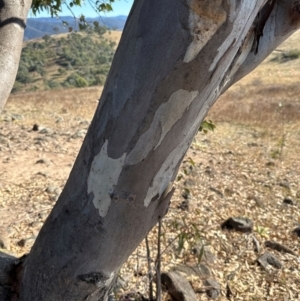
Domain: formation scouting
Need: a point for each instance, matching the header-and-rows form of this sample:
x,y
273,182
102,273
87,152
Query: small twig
x,y
158,260
150,276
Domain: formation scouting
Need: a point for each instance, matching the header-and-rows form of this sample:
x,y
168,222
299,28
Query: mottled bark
x,y
174,60
13,14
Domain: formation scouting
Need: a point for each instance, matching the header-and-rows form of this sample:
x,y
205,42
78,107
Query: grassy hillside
x,y
38,27
66,60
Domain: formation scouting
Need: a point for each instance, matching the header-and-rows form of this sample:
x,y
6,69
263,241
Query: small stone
x,y
213,288
43,161
241,224
279,247
207,254
26,242
35,127
79,134
184,205
178,286
51,189
284,184
45,131
270,164
269,259
16,117
57,191
296,232
288,201
54,198
43,174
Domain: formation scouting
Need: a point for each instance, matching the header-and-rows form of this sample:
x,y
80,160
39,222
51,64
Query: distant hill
x,y
39,27
78,60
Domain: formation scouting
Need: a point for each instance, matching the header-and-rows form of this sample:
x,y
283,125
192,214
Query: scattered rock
x,y
57,191
241,224
178,286
296,232
207,256
284,184
270,164
43,161
269,259
43,215
35,127
288,201
184,205
279,247
44,174
51,189
45,131
26,242
79,134
16,117
213,288
85,123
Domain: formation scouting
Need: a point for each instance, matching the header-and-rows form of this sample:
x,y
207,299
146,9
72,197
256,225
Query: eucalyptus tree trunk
x,y
13,14
174,60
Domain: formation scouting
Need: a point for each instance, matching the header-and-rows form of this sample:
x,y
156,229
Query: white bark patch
x,y
110,279
18,27
205,18
241,20
103,177
164,176
164,119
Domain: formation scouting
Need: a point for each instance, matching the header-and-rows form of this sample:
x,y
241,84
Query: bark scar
x,y
260,23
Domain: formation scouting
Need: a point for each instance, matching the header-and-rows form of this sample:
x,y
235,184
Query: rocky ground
x,y
238,171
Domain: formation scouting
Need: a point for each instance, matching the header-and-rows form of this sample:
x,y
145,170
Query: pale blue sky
x,y
120,7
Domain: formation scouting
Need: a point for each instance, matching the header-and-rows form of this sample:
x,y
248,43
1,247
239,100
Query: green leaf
x,y
201,253
181,239
191,161
207,125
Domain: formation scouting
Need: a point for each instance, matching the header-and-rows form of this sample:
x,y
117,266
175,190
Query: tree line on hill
x,y
78,59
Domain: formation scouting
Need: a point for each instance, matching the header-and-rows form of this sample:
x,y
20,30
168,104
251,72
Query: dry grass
x,y
257,97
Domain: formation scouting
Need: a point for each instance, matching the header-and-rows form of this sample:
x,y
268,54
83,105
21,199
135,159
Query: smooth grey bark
x,y
13,15
174,60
